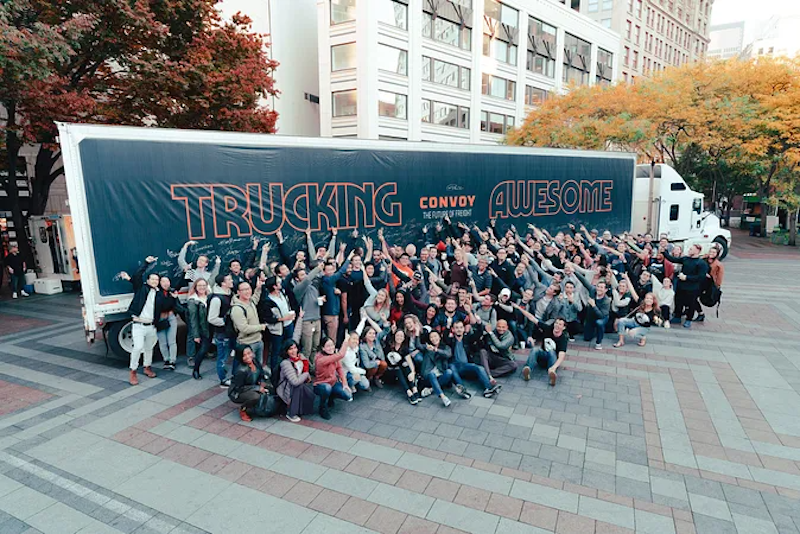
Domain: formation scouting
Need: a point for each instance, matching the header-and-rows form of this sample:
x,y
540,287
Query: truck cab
x,y
676,211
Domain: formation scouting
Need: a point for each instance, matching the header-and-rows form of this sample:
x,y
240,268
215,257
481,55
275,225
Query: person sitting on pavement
x,y
552,351
638,322
330,381
436,369
497,358
462,345
249,382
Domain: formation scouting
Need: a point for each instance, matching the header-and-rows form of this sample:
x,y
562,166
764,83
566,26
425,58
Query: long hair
x,y
655,302
193,289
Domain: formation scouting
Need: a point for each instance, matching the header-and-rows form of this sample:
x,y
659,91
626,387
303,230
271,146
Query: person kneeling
x,y
638,323
550,355
294,385
331,380
249,383
437,371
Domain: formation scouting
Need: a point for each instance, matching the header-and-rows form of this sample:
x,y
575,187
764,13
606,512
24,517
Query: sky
x,y
725,11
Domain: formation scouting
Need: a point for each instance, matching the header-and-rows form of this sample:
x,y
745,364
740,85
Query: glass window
x,y
674,212
496,123
345,103
445,114
343,11
606,23
501,13
343,57
608,5
577,57
393,13
534,96
484,121
441,72
541,48
498,87
447,32
605,64
392,59
392,105
593,6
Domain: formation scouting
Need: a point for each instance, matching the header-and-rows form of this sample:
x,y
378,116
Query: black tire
x,y
119,338
723,243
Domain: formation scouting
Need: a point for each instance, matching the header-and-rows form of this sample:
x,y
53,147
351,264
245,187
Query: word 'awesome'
x,y
534,198
263,209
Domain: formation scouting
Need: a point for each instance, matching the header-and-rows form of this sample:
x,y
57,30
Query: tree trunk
x,y
12,189
793,228
43,178
762,191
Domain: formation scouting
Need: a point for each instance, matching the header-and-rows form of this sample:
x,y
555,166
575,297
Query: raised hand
x,y
334,231
279,235
124,275
150,259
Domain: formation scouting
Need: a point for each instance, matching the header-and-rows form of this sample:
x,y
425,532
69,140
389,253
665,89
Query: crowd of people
x,y
335,319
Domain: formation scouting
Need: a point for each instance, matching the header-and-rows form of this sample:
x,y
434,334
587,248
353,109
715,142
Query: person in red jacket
x,y
331,380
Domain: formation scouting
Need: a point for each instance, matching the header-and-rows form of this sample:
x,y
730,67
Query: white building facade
x,y
450,70
727,41
291,29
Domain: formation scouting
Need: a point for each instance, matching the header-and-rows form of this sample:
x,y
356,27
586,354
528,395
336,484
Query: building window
x,y
541,48
628,30
635,63
605,65
499,50
392,59
393,13
392,105
343,57
445,114
626,59
594,6
496,123
345,103
577,58
499,37
534,96
639,9
637,34
498,87
606,23
444,73
446,32
608,5
343,11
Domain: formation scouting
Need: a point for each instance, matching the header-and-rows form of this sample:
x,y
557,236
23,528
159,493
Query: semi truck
x,y
136,192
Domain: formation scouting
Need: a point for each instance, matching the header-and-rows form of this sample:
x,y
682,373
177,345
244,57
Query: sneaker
x,y
701,318
666,325
293,418
426,392
14,295
462,391
491,392
225,384
325,414
24,293
134,380
598,347
526,373
413,399
687,324
378,383
446,401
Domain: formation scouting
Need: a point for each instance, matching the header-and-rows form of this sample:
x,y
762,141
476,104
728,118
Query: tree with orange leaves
x,y
738,115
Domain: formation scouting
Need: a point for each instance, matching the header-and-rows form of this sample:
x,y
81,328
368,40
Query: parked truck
x,y
136,192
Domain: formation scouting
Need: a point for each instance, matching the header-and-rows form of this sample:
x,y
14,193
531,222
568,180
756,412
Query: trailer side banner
x,y
147,197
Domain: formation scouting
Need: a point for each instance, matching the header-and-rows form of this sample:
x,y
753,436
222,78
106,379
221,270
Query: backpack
x,y
230,331
711,297
234,332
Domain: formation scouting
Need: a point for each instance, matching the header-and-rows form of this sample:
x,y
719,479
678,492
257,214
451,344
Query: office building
x,y
726,41
656,34
451,70
777,37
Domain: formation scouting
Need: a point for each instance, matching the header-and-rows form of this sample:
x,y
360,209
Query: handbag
x,y
267,406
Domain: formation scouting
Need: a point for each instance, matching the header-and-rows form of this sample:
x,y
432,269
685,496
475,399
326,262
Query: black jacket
x,y
695,270
141,291
245,379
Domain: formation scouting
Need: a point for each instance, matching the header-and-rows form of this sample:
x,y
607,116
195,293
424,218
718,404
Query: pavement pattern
x,y
698,432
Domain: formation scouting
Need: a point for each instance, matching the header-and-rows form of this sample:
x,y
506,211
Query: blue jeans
x,y
168,340
362,383
467,369
326,391
629,326
17,282
594,327
224,346
543,358
437,383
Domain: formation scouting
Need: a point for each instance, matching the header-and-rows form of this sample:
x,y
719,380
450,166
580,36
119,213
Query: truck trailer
x,y
136,192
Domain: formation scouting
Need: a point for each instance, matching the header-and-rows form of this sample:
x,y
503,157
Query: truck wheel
x,y
723,243
120,338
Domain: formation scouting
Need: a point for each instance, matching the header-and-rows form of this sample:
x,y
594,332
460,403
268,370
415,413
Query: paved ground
x,y
697,432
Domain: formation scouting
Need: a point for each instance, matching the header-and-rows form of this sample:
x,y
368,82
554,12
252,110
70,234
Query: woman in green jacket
x,y
198,340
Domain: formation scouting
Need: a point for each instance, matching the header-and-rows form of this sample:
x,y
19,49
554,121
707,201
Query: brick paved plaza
x,y
699,431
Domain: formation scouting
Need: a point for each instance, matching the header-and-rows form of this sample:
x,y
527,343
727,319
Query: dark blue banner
x,y
150,197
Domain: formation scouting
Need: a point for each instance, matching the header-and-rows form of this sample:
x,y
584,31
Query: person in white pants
x,y
145,308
